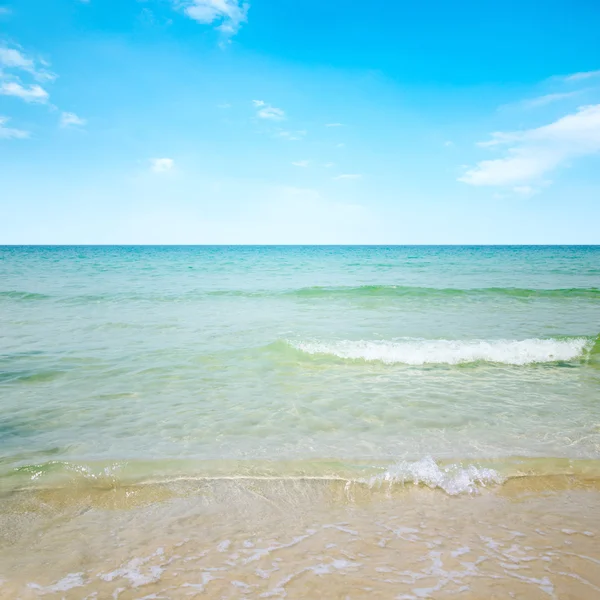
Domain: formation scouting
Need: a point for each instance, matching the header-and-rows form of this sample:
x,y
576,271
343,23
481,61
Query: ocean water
x,y
154,372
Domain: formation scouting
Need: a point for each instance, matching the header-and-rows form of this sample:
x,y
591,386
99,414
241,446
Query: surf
x,y
451,352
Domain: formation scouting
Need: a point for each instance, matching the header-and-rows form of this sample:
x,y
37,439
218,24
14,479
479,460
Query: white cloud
x,y
448,144
68,119
31,93
340,145
229,14
329,165
292,136
525,190
547,99
497,138
266,111
270,112
162,165
9,57
581,76
8,133
533,153
12,58
301,163
334,125
348,176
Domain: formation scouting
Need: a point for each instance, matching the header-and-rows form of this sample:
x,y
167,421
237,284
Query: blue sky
x,y
219,121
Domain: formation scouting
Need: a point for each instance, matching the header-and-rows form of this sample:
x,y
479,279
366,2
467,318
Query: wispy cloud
x,y
31,93
270,112
14,59
228,15
10,57
531,154
13,64
266,111
8,133
328,165
581,76
69,119
334,125
292,136
301,163
162,165
4,10
546,99
525,190
348,176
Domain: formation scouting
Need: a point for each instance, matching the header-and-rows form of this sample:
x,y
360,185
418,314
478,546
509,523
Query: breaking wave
x,y
452,352
453,479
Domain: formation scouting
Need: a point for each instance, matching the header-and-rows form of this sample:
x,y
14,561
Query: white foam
x,y
451,352
200,587
72,580
133,571
453,479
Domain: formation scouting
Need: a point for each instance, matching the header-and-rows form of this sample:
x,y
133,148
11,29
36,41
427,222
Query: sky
x,y
286,122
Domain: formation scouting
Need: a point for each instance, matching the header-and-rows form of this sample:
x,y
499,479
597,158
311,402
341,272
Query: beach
x,y
301,422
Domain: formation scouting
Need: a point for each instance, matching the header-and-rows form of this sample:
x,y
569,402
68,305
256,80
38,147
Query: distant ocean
x,y
143,380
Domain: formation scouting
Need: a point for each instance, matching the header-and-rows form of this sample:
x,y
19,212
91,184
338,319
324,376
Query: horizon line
x,y
129,245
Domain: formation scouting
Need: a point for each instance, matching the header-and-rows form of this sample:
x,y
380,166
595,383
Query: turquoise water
x,y
167,357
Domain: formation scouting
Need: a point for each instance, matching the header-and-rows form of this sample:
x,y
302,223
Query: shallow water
x,y
461,370
231,539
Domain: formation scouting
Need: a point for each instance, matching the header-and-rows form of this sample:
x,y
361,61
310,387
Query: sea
x,y
300,422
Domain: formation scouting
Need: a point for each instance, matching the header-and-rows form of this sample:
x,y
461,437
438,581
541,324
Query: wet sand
x,y
533,537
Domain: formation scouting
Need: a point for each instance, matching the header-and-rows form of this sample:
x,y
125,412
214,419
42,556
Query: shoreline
x,y
294,538
107,474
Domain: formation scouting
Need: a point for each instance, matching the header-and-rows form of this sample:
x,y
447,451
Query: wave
x,y
323,292
175,477
453,479
397,291
453,352
30,376
21,295
401,291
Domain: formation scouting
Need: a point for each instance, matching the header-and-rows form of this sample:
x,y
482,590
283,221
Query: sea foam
x,y
451,352
453,479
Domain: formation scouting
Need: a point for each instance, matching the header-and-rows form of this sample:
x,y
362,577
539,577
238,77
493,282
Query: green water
x,y
161,356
